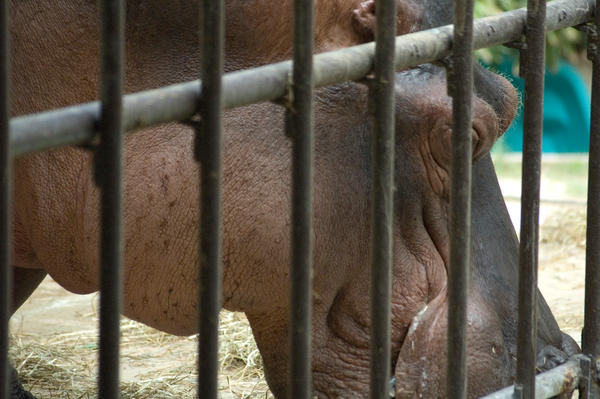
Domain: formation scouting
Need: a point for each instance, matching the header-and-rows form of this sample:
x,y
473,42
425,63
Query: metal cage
x,y
101,126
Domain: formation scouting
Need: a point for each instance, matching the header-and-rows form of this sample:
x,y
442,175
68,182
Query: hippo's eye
x,y
438,153
441,146
483,137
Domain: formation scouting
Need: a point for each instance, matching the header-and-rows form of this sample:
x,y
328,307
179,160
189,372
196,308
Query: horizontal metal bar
x,y
563,378
77,124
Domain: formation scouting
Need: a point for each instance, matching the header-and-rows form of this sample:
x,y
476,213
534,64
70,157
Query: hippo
x,y
55,53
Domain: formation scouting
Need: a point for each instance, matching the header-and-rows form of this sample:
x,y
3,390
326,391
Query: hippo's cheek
x,y
421,366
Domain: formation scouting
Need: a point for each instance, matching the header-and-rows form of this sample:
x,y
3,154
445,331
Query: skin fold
x,y
55,63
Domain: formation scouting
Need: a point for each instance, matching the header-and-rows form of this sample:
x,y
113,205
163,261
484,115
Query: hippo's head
x,y
341,319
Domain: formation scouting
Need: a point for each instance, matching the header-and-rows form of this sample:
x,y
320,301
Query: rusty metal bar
x,y
460,88
534,66
590,336
75,125
382,99
109,176
208,152
5,200
299,125
563,378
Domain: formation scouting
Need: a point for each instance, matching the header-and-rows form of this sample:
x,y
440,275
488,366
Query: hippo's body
x,y
55,49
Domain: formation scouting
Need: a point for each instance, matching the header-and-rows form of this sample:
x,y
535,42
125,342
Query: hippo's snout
x,y
421,365
424,128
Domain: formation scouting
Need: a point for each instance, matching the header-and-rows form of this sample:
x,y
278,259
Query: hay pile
x,y
153,364
562,264
564,226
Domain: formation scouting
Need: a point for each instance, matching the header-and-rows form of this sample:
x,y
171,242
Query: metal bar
x,y
300,128
585,380
382,98
460,87
563,378
590,336
109,173
5,200
76,125
534,58
209,154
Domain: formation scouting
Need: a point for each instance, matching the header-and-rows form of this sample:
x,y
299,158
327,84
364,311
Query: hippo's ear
x,y
409,18
363,18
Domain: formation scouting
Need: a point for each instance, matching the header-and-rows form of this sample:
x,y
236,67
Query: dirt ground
x,y
54,334
54,348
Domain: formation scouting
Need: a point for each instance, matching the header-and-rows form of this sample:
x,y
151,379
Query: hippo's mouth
x,y
420,367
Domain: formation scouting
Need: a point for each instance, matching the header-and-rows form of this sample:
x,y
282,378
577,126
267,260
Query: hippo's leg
x,y
16,389
25,281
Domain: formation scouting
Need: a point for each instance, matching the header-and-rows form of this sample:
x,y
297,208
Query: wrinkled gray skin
x,y
56,218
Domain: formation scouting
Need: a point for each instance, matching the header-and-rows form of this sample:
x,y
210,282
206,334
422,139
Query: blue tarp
x,y
566,111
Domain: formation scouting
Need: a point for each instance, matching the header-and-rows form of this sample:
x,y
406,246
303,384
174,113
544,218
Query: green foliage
x,y
563,44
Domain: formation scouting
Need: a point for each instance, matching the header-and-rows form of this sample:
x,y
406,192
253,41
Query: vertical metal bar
x,y
585,380
209,154
382,100
461,90
300,116
5,199
590,336
530,194
109,173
